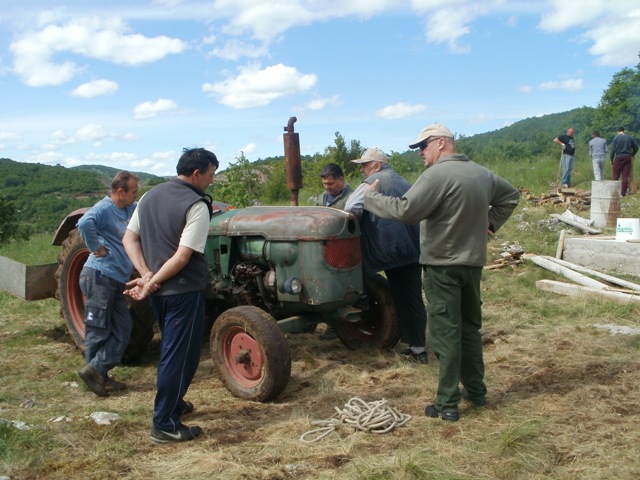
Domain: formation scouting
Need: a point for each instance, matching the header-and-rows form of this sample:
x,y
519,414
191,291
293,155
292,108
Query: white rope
x,y
373,417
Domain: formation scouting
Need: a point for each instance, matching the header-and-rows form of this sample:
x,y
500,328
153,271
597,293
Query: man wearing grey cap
x,y
392,247
456,201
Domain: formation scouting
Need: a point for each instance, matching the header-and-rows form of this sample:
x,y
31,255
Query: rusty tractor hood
x,y
286,223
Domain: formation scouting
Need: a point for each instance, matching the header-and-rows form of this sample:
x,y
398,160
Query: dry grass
x,y
563,403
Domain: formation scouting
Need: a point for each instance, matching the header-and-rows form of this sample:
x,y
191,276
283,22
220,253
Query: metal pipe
x,y
292,165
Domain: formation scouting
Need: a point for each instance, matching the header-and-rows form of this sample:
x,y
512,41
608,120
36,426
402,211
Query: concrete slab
x,y
605,255
26,281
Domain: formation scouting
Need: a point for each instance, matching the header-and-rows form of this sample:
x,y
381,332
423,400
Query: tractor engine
x,y
285,260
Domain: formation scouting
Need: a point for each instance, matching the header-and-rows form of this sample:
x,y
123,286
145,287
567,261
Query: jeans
x,y
455,319
107,321
598,167
567,167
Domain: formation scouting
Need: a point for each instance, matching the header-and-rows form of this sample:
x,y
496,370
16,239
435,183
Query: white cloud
x,y
95,88
266,20
152,109
567,14
91,133
236,49
570,85
399,110
12,136
110,158
248,149
617,44
105,39
526,89
48,158
254,87
613,27
322,103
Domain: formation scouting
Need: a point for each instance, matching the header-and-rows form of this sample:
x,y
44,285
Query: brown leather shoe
x,y
112,384
93,379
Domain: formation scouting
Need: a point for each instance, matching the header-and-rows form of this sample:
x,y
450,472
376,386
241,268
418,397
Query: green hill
x,y
43,194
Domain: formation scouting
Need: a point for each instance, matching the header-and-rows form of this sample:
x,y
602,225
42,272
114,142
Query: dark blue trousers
x,y
406,289
181,321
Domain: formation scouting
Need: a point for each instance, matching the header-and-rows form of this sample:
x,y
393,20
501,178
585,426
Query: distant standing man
x,y
568,145
107,321
623,149
458,202
336,192
598,153
165,240
392,247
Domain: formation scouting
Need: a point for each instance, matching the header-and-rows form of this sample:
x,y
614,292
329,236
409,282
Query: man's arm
x,y
559,142
150,282
88,228
505,200
355,202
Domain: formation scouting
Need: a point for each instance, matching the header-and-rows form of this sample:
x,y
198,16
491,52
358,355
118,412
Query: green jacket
x,y
456,201
339,202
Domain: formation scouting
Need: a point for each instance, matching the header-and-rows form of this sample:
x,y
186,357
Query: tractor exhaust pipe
x,y
292,166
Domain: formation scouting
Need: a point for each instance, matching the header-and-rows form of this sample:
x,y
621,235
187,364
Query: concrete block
x,y
605,255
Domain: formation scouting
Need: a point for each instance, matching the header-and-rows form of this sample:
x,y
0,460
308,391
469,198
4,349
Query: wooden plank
x,y
560,248
579,291
595,273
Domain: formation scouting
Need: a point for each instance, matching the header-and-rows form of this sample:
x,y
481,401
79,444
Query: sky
x,y
130,83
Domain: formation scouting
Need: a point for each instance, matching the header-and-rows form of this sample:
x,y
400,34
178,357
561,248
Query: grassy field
x,y
564,397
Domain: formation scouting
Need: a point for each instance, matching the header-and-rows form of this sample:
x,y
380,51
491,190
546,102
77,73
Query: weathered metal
x,y
292,163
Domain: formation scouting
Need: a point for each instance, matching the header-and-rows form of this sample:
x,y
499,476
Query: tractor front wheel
x,y
250,353
379,326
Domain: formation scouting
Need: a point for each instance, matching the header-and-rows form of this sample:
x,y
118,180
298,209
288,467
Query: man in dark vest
x,y
165,241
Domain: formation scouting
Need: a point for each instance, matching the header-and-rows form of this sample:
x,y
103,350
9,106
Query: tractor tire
x,y
70,262
379,327
250,353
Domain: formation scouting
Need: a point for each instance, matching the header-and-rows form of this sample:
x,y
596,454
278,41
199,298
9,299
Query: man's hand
x,y
141,288
372,186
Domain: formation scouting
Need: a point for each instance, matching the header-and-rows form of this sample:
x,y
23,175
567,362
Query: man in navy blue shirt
x,y
623,149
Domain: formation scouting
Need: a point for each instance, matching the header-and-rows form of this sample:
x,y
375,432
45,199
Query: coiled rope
x,y
373,417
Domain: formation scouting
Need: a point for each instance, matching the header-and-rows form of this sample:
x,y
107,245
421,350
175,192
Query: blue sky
x,y
129,83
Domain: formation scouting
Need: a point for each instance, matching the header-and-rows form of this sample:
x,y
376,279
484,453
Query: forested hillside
x,y
43,195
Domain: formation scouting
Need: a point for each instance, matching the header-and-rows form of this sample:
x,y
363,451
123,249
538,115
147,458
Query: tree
x,y
620,103
342,155
10,228
241,184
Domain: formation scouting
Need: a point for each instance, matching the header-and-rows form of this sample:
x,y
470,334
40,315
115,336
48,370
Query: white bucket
x,y
628,229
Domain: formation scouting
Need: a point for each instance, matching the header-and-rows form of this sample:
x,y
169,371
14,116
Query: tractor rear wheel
x,y
379,326
250,353
70,262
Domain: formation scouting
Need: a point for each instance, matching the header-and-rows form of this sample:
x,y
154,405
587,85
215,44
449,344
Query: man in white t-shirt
x,y
173,213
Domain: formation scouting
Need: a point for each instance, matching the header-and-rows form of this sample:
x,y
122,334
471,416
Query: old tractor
x,y
272,271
